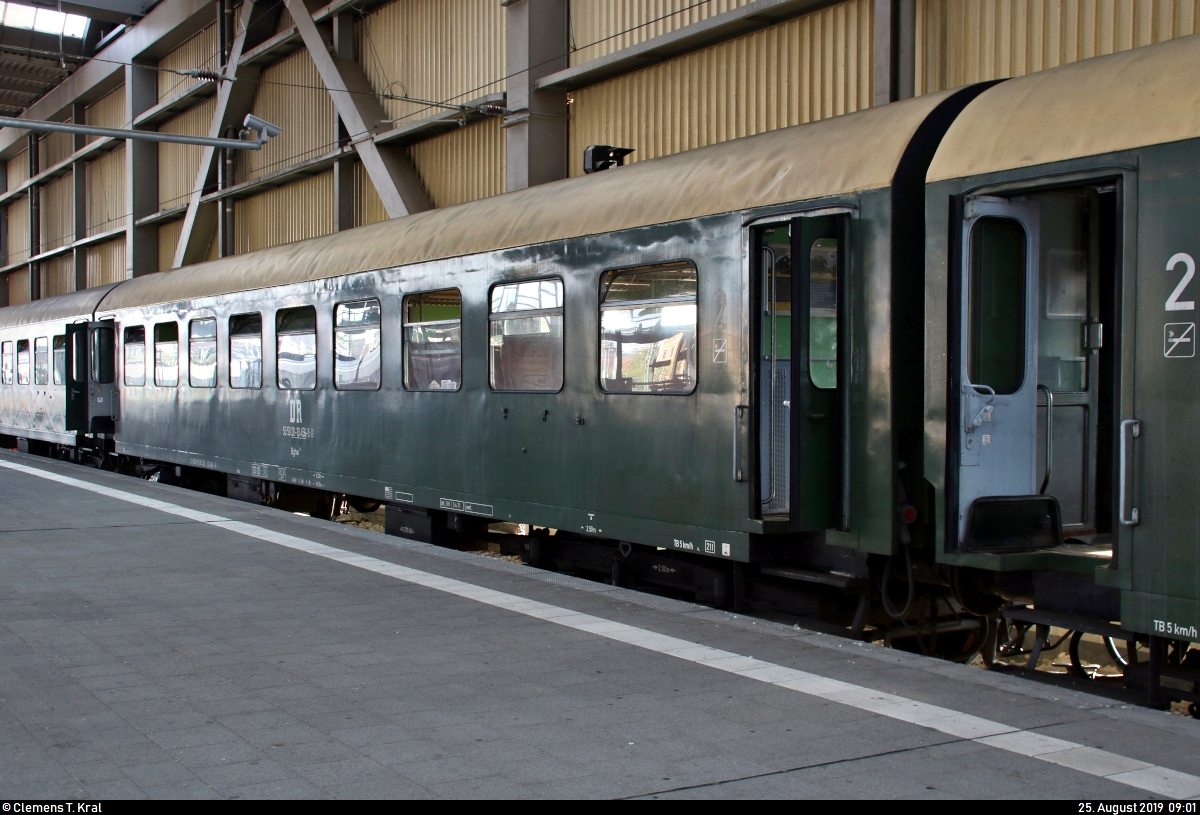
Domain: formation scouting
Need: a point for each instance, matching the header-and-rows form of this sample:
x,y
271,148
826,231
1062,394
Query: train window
x,y
41,361
296,348
60,359
433,341
996,321
22,362
6,363
135,356
202,353
822,313
245,351
103,355
356,346
648,329
166,355
526,337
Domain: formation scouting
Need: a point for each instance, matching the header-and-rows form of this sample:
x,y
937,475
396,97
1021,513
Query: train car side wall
x,y
34,410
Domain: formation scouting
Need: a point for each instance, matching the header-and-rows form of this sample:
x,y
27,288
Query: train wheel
x,y
1089,671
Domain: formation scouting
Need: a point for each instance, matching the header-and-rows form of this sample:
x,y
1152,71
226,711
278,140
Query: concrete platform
x,y
164,643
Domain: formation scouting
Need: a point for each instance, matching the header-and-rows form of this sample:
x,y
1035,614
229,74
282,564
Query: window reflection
x,y
166,355
648,329
356,346
245,351
41,361
60,359
135,356
6,363
526,336
296,348
202,353
433,340
822,313
22,362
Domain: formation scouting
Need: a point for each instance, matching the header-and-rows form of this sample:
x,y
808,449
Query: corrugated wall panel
x,y
106,263
53,148
17,169
439,50
599,27
57,213
177,163
58,275
198,52
964,41
108,111
368,206
292,213
168,239
810,68
18,231
105,181
462,165
18,287
291,95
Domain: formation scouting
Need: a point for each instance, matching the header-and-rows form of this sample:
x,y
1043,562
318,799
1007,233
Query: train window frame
x,y
518,314
238,332
410,299
280,333
604,286
338,330
58,353
193,342
989,333
129,339
162,328
102,354
25,380
7,362
41,361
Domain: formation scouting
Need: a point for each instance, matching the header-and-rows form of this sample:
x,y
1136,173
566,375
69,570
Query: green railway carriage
x,y
940,348
1062,216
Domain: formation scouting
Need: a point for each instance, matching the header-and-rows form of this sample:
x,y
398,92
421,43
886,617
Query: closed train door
x,y
799,284
1035,382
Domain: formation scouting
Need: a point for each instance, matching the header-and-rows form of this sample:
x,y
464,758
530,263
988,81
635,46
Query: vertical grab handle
x,y
737,436
1136,428
1049,437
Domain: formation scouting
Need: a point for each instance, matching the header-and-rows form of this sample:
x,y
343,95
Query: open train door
x,y
91,377
802,383
999,501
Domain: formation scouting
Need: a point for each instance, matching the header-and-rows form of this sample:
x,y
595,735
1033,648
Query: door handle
x,y
1136,430
737,453
1049,437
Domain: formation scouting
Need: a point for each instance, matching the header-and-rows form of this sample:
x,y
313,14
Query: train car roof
x,y
849,153
73,306
1149,95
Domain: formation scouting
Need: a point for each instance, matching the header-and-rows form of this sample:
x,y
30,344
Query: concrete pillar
x,y
35,219
141,176
536,131
894,50
79,183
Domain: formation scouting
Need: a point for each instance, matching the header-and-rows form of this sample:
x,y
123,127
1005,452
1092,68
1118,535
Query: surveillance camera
x,y
263,128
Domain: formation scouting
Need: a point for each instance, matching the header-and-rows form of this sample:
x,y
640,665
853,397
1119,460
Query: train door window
x,y
202,353
433,341
356,348
41,361
166,355
135,356
245,351
822,313
59,352
526,341
648,329
996,320
296,348
22,362
103,359
6,363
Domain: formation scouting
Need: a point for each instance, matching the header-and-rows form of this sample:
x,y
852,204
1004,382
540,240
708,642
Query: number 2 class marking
x,y
1173,302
